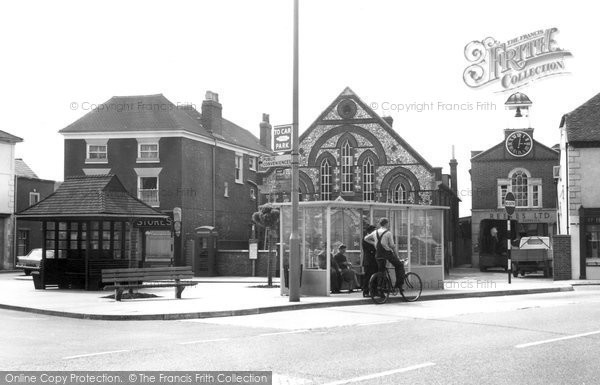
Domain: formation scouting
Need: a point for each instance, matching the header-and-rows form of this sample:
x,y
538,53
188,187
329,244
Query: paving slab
x,y
233,296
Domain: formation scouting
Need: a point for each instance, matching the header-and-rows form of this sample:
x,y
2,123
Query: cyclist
x,y
383,241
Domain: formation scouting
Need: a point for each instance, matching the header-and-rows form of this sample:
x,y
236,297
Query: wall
x,y
7,204
589,161
237,263
561,245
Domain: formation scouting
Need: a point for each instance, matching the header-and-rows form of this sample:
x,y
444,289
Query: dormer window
x,y
148,151
96,151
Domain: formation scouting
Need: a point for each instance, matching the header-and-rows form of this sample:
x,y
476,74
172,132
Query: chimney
x,y
265,131
212,114
389,120
453,173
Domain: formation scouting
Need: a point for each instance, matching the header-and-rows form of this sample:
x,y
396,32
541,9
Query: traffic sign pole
x,y
508,248
509,206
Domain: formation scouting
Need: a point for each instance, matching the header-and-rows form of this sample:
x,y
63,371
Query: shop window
x,y
325,180
368,183
592,235
239,168
94,235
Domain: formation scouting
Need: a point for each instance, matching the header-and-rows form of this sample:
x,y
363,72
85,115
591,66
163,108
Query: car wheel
x,y
27,272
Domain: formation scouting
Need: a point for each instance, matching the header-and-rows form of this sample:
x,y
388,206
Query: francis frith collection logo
x,y
516,62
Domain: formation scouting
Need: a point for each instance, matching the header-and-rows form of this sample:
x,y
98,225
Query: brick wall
x,y
561,245
237,263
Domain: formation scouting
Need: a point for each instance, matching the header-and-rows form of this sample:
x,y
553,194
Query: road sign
x,y
276,161
282,136
509,203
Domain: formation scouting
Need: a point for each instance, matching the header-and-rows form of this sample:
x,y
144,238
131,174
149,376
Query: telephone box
x,y
205,255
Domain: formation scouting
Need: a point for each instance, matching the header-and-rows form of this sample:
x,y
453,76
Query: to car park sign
x,y
282,138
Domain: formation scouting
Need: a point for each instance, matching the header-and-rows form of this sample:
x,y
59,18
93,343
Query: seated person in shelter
x,y
348,275
335,275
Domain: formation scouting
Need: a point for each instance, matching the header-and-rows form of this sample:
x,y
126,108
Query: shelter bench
x,y
148,277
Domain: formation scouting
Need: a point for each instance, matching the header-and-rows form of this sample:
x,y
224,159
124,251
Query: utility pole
x,y
294,283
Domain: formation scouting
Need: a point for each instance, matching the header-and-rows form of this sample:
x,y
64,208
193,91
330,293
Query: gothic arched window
x,y
368,171
325,180
346,162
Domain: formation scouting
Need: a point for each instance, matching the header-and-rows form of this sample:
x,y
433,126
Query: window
x,y
226,187
399,194
347,174
148,152
238,168
97,153
325,180
368,171
519,188
34,197
252,163
148,190
527,190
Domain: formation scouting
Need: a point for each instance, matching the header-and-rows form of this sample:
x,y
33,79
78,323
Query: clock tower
x,y
518,135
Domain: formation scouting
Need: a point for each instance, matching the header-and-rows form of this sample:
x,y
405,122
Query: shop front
x,y
589,242
325,225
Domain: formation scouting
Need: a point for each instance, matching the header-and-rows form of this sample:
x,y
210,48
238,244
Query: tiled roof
x,y
90,196
583,123
22,169
156,112
6,137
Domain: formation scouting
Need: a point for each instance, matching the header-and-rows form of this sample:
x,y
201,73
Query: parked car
x,y
533,254
32,260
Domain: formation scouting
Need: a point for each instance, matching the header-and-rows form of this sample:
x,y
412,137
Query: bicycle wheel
x,y
379,288
412,287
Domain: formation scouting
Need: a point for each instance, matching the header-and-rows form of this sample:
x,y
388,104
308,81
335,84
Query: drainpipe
x,y
15,230
214,184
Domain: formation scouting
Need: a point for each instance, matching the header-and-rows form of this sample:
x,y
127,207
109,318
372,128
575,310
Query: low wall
x,y
561,259
237,263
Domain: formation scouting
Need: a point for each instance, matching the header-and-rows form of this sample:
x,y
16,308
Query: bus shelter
x,y
418,232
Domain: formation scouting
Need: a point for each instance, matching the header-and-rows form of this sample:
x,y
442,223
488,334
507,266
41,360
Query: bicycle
x,y
380,286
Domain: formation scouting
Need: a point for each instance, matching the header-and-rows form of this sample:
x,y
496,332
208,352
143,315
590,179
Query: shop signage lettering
x,y
153,222
592,220
528,216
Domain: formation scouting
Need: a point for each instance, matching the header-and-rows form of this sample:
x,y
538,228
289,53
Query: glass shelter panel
x,y
426,238
314,236
347,228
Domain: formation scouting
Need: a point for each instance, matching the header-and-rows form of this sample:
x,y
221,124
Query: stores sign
x,y
153,222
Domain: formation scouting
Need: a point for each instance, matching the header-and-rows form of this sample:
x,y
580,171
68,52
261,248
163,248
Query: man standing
x,y
369,262
383,241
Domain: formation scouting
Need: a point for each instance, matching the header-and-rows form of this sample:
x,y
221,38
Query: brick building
x,y
30,190
519,164
352,153
578,185
172,157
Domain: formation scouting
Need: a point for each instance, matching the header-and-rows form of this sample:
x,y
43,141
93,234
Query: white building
x,y
579,187
7,199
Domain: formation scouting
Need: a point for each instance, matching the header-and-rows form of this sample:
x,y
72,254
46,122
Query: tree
x,y
267,217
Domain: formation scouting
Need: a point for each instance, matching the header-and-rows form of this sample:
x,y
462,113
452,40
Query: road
x,y
529,339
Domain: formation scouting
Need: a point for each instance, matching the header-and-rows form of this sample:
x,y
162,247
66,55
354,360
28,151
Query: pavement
x,y
235,296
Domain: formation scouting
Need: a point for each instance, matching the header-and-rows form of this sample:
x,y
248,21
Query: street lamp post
x,y
294,282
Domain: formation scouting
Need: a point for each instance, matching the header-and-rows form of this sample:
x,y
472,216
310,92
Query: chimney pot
x,y
389,120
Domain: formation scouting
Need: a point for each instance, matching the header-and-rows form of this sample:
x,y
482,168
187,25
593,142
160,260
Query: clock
x,y
519,143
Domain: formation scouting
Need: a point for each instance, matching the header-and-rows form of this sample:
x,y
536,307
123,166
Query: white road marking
x,y
94,354
377,323
204,341
382,374
286,332
520,346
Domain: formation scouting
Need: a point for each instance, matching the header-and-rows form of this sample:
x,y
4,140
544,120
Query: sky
x,y
61,56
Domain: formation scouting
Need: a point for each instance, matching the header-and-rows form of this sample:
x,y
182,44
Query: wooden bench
x,y
147,277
